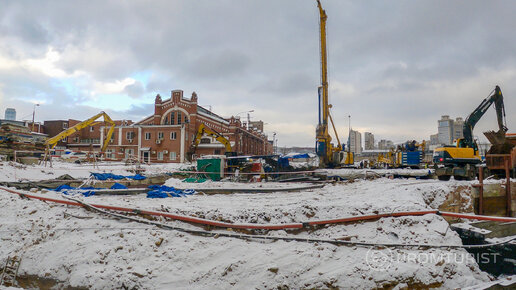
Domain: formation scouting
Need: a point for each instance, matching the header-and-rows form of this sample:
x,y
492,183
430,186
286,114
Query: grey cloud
x,y
135,90
217,65
264,55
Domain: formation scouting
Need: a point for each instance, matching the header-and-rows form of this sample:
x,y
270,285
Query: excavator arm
x,y
476,115
52,142
205,130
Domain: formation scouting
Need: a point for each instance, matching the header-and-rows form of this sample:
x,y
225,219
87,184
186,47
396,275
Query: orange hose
x,y
207,222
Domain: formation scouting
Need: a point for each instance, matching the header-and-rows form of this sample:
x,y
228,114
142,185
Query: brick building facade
x,y
166,135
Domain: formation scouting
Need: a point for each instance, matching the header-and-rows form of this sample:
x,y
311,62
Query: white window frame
x,y
160,135
160,155
129,134
173,135
148,135
172,155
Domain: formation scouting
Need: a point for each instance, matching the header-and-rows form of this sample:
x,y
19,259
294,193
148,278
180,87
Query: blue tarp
x,y
283,161
118,186
162,191
86,191
106,176
300,156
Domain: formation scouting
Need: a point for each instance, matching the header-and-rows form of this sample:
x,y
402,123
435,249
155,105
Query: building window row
x,y
172,120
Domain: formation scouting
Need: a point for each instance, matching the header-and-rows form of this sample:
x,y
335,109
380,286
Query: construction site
x,y
187,197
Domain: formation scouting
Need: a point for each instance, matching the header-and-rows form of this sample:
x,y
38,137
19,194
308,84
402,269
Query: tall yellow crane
x,y
329,155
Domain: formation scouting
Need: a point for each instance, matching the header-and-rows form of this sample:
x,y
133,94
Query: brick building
x,y
82,140
166,134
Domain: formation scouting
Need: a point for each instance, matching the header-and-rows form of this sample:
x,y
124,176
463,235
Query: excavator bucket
x,y
499,144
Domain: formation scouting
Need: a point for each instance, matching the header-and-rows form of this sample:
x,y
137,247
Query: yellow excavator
x,y
52,142
329,155
205,130
460,160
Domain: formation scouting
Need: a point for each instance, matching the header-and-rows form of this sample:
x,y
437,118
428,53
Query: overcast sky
x,y
394,66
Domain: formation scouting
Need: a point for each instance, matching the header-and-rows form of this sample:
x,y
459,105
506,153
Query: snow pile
x,y
361,173
89,250
10,171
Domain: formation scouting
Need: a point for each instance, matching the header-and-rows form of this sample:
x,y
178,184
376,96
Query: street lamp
x,y
33,114
273,142
248,117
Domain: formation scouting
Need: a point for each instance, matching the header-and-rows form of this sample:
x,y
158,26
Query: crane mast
x,y
324,148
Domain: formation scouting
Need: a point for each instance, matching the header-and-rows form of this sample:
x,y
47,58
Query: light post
x,y
273,142
33,114
349,134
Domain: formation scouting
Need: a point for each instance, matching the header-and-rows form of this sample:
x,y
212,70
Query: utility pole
x,y
33,114
349,133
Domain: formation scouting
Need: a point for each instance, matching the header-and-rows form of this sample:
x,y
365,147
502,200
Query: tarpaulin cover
x,y
300,156
118,186
106,176
283,162
162,191
86,191
194,180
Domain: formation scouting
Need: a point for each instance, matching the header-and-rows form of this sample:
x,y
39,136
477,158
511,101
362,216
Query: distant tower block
x,y
10,114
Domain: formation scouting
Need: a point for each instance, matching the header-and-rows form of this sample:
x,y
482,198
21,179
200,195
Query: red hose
x,y
478,217
201,221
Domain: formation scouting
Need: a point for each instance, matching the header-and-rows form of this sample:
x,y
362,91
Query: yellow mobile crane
x,y
329,155
52,142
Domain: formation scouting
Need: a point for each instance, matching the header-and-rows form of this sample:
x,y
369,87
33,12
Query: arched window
x,y
172,118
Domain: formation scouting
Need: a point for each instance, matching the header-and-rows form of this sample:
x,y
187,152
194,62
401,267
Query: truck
x,y
496,163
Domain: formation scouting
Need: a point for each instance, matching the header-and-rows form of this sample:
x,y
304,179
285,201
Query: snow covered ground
x,y
10,171
84,249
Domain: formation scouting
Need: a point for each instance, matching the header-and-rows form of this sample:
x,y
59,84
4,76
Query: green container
x,y
214,167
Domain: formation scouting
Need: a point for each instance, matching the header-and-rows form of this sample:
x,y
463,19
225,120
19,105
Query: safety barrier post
x,y
508,186
481,191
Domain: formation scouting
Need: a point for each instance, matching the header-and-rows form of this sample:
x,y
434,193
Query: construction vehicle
x,y
203,130
410,155
460,159
52,142
329,155
501,158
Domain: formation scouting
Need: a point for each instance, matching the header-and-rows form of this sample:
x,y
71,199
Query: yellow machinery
x,y
205,130
52,142
385,160
329,155
460,159
411,154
